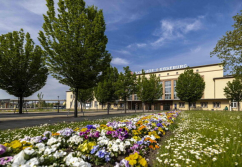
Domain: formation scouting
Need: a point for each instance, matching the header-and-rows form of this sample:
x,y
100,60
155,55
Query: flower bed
x,y
122,143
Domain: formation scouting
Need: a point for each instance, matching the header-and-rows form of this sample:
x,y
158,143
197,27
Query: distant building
x,y
212,99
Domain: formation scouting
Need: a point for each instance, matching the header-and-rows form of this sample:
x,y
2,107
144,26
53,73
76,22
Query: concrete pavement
x,y
13,121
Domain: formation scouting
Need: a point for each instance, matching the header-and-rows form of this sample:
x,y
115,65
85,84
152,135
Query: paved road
x,y
13,121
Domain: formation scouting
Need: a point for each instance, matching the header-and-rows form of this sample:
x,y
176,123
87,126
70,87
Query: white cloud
x,y
137,45
195,50
35,6
119,61
141,45
175,29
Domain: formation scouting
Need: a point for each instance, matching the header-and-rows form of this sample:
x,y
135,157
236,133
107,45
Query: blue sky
x,y
141,34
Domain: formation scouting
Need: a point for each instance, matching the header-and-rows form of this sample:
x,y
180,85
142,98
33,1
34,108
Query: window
x,y
176,73
121,105
204,104
167,89
167,73
96,104
216,104
181,105
175,94
159,75
234,104
192,105
130,97
136,97
115,105
71,96
197,70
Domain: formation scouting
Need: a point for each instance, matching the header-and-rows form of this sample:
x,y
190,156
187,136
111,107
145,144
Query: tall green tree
x,y
125,85
76,44
149,89
190,86
229,48
105,90
22,65
233,91
84,96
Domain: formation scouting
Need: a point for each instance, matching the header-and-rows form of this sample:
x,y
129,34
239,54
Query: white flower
x,y
115,147
49,150
18,159
52,140
41,146
75,139
59,153
29,151
32,162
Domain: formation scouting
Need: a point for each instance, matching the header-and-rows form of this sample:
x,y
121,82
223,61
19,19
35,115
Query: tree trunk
x,y
125,106
81,107
189,105
76,97
238,106
21,105
143,107
108,108
102,106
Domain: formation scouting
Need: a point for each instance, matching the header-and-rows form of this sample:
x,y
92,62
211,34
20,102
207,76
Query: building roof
x,y
216,64
224,77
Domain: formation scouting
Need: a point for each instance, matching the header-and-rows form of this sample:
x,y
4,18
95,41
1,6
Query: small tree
x,y
190,86
229,48
125,85
40,97
149,90
75,41
233,91
22,65
84,96
105,91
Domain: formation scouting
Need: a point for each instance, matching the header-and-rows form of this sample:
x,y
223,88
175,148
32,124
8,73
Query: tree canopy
x,y
22,65
190,86
233,91
76,44
149,89
105,90
229,48
125,85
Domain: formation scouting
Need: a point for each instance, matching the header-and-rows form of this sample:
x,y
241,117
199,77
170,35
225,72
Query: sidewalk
x,y
13,121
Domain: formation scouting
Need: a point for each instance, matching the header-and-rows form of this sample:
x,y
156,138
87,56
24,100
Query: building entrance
x,y
167,106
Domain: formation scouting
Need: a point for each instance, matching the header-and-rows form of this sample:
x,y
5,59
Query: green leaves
x,y
229,47
149,90
22,64
190,86
233,90
75,43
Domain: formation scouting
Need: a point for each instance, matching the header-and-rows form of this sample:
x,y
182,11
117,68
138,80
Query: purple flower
x,y
124,162
47,134
66,132
2,149
5,160
90,127
101,154
159,125
95,148
44,138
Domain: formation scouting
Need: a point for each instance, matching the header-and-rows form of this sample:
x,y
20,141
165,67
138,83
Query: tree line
x,y
73,50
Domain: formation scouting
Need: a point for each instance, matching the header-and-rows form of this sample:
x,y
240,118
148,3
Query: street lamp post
x,y
58,104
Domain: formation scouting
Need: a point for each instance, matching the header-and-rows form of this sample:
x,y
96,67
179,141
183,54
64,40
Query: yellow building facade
x,y
212,99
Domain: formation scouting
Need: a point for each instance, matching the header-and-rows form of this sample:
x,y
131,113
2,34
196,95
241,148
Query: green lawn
x,y
204,138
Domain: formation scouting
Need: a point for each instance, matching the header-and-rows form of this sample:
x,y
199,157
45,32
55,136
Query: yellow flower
x,y
15,144
136,155
90,145
83,129
132,162
143,162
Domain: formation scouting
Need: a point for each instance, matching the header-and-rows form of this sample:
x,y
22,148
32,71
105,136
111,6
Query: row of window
x,y
176,73
203,105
